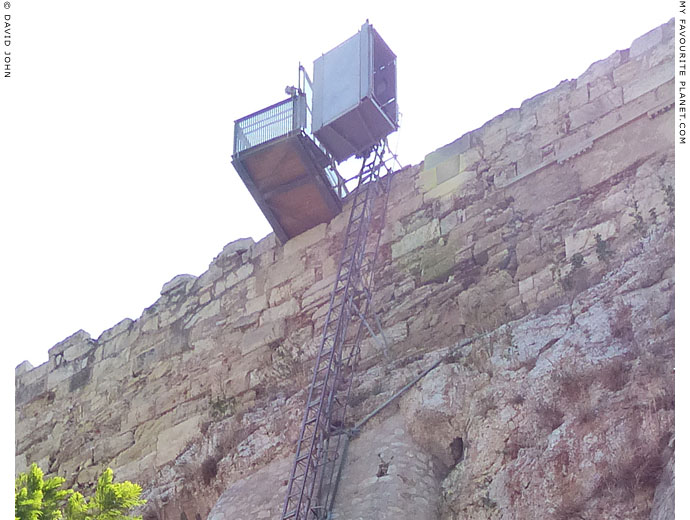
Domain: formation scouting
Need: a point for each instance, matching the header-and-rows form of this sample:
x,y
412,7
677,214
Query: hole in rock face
x,y
457,449
383,466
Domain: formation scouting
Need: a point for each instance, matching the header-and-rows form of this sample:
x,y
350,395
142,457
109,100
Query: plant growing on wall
x,y
39,499
36,498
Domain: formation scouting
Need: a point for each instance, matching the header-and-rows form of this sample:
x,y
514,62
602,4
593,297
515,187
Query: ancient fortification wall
x,y
550,228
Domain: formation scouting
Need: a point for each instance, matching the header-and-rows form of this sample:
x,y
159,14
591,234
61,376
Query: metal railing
x,y
271,122
282,118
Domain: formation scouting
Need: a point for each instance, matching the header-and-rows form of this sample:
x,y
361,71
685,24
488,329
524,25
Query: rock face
x,y
547,234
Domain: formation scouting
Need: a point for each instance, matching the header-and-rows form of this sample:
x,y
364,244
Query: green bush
x,y
39,499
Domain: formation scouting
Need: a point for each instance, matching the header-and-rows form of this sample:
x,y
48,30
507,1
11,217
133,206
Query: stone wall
x,y
545,228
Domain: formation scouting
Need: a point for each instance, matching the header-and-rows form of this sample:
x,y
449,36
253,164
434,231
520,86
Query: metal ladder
x,y
311,488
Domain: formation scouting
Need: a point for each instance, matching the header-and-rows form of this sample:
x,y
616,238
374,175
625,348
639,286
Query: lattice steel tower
x,y
286,155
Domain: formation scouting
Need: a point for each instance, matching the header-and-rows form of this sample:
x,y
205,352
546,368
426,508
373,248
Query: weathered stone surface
x,y
567,389
181,281
416,239
171,441
263,335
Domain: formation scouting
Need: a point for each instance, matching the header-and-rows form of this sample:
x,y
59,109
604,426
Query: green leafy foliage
x,y
604,252
38,499
110,501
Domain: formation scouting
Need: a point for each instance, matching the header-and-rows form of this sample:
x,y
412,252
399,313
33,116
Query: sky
x,y
117,126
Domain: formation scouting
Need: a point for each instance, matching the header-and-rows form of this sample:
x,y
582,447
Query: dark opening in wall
x,y
209,469
457,449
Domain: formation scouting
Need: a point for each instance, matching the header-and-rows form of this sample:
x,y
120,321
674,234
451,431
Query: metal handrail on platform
x,y
269,123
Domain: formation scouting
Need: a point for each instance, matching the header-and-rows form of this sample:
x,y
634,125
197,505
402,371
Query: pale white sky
x,y
117,126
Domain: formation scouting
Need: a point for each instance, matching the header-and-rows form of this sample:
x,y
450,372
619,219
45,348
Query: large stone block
x,y
280,312
262,335
307,239
596,108
416,239
650,80
459,186
645,42
172,441
584,239
460,145
108,447
600,69
179,283
77,339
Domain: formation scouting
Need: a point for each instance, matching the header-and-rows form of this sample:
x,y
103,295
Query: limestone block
x,y
207,311
256,304
487,241
38,373
576,98
283,271
150,324
505,175
22,368
78,338
600,86
543,279
279,294
451,220
119,344
20,464
645,42
527,122
526,285
280,312
79,350
262,335
447,169
236,247
416,238
263,246
61,373
121,327
318,292
303,280
80,379
377,346
596,108
459,146
113,369
573,145
427,180
208,278
241,273
660,53
25,393
307,239
458,185
492,140
547,133
529,163
627,72
583,239
509,118
179,283
172,441
600,68
107,447
650,80
437,263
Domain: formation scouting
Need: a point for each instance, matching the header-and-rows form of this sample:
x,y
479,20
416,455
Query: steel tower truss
x,y
312,485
